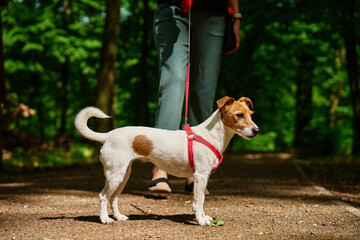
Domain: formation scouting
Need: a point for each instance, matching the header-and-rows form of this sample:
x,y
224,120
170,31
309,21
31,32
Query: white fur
x,y
169,153
81,123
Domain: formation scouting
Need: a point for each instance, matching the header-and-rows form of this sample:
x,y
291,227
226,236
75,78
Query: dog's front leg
x,y
200,184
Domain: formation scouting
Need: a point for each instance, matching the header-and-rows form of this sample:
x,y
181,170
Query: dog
x,y
166,149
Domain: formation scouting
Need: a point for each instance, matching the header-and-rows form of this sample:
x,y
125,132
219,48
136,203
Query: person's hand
x,y
237,35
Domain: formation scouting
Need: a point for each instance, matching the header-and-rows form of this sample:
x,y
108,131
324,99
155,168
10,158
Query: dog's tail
x,y
81,123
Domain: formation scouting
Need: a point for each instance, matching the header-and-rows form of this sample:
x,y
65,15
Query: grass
x,y
74,154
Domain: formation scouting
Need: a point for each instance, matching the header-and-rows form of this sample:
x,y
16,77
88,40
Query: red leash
x,y
187,91
186,7
189,132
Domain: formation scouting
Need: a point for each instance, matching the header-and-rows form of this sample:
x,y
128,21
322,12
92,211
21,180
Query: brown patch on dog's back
x,y
142,145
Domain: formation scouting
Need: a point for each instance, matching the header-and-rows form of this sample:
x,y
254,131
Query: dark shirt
x,y
213,6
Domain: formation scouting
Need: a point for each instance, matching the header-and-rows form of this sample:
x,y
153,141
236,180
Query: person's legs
x,y
207,33
170,33
158,173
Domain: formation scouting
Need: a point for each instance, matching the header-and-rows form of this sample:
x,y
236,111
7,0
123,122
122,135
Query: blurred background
x,y
298,62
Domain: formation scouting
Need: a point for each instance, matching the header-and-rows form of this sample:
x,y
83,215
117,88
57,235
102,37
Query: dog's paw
x,y
209,218
203,221
121,217
106,220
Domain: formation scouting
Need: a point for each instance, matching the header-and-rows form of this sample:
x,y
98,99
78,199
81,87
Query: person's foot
x,y
189,187
159,182
160,185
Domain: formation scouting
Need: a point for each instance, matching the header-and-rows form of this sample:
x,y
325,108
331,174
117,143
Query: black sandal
x,y
160,185
189,187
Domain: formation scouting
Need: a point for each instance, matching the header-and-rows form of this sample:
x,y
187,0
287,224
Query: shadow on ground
x,y
179,218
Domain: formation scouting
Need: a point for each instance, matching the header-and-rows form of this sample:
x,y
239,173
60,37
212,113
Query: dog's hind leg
x,y
112,183
113,179
114,198
104,216
200,184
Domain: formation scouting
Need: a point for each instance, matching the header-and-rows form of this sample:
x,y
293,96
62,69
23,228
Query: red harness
x,y
191,138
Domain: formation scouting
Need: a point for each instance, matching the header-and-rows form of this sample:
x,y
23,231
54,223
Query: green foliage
x,y
264,142
57,157
37,42
278,46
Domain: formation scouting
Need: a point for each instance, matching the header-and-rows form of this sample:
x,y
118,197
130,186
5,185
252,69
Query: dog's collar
x,y
191,138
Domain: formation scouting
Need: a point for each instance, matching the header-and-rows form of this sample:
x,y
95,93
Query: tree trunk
x,y
63,95
349,35
303,103
144,88
304,93
3,93
335,95
36,82
107,62
64,74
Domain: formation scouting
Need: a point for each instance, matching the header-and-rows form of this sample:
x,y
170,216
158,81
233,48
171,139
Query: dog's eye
x,y
240,115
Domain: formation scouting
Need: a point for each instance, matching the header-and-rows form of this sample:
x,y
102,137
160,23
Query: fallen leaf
x,y
217,223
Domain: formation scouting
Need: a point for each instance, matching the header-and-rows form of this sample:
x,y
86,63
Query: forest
x,y
298,62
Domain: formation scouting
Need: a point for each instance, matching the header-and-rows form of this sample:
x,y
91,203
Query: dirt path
x,y
259,196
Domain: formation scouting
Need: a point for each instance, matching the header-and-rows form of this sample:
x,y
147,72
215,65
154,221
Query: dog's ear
x,y
247,102
225,101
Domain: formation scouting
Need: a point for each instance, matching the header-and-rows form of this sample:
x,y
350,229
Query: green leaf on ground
x,y
217,223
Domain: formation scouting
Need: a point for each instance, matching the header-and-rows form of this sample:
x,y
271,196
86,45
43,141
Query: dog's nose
x,y
255,130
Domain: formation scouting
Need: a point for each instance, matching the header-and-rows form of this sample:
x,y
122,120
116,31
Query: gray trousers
x,y
171,39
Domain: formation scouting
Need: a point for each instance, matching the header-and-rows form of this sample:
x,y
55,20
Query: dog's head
x,y
237,116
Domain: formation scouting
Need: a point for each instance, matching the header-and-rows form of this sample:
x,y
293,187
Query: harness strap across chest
x,y
191,138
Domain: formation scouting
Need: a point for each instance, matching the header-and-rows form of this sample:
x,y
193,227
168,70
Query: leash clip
x,y
185,123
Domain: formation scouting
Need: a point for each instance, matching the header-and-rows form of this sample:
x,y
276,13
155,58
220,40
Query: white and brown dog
x,y
166,149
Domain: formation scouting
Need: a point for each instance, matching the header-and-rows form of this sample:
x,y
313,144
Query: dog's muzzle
x,y
255,130
250,132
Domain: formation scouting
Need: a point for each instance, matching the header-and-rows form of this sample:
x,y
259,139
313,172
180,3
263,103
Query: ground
x,y
258,196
